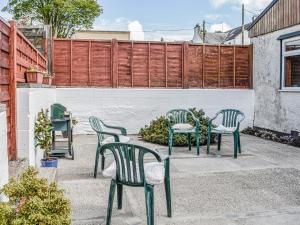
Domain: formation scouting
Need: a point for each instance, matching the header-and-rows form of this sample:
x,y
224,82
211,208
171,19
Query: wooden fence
x,y
17,54
89,63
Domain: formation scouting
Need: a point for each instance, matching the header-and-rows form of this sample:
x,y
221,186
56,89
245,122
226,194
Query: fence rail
x,y
150,64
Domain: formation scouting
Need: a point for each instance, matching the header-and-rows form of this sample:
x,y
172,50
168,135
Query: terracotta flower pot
x,y
34,77
47,80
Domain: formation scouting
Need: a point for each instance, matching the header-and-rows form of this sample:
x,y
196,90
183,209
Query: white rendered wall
x,y
131,108
134,108
29,102
3,151
274,109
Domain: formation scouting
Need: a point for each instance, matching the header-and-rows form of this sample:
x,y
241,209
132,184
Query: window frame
x,y
285,54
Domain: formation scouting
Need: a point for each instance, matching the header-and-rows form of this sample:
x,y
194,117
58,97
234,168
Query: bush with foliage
x,y
157,131
33,201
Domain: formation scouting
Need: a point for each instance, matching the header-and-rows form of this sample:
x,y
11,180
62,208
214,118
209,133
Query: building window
x,y
291,63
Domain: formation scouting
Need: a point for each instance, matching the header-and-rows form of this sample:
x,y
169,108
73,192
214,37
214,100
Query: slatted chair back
x,y
57,111
231,117
97,126
179,116
129,160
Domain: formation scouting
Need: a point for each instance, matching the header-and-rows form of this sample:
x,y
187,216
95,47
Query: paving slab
x,y
261,187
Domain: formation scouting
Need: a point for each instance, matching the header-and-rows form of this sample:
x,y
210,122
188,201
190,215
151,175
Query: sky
x,y
171,19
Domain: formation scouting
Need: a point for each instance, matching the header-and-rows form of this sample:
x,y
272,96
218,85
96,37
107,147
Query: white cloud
x,y
219,27
136,31
249,4
214,16
121,24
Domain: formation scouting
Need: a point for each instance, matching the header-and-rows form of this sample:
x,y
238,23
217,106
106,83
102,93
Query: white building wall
x,y
3,150
29,102
238,39
274,109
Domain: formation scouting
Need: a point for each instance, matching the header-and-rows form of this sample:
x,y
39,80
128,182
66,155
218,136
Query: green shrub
x,y
157,131
33,201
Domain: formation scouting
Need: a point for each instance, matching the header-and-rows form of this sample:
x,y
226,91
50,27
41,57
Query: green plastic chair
x,y
130,170
98,126
178,124
231,119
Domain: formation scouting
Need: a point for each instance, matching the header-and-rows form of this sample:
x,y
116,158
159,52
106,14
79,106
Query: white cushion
x,y
111,139
154,172
221,128
182,126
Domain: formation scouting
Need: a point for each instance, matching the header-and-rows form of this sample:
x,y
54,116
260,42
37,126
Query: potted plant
x,y
34,75
48,78
43,137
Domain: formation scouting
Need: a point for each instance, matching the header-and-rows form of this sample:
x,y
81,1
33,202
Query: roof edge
x,y
262,14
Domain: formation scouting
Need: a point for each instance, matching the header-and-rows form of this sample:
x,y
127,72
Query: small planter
x,y
52,162
34,77
47,80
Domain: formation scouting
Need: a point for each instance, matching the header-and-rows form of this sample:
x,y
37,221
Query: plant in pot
x,y
34,75
48,77
43,138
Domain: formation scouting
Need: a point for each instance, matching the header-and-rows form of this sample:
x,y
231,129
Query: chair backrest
x,y
129,160
57,111
231,117
178,115
97,126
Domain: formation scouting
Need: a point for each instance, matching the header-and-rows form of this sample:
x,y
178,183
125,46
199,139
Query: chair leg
x,y
235,143
120,195
149,203
168,194
198,143
219,141
170,142
208,141
190,141
96,163
102,162
239,143
110,201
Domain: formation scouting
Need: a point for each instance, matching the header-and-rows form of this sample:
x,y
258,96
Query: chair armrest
x,y
122,129
116,136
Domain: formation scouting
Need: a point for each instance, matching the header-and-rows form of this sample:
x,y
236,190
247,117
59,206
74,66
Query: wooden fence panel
x,y
27,55
195,63
174,65
80,63
157,65
211,66
115,64
16,55
5,81
226,67
125,64
62,62
140,65
101,64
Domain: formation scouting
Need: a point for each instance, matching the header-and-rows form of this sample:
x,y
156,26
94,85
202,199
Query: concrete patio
x,y
261,187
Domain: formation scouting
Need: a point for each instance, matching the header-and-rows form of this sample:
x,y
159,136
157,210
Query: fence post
x,y
12,89
250,49
114,63
185,63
